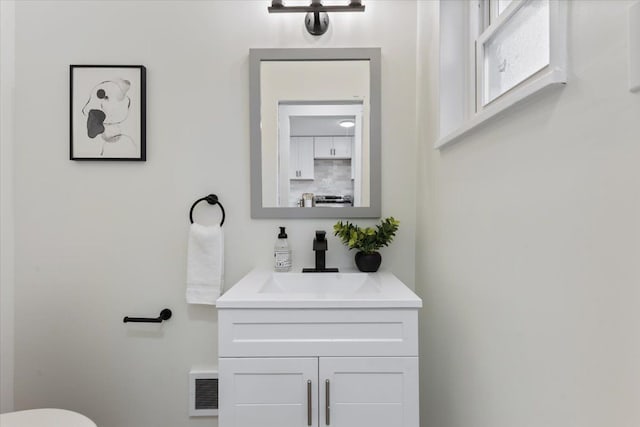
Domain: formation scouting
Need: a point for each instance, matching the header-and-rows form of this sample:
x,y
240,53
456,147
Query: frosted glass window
x,y
517,50
502,5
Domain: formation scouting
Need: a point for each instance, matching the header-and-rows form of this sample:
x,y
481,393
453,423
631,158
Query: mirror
x,y
315,133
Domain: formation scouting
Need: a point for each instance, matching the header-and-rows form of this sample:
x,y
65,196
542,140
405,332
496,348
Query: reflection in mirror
x,y
320,152
314,145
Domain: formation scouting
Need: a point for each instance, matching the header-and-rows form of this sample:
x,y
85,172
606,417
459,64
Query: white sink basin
x,y
263,288
319,283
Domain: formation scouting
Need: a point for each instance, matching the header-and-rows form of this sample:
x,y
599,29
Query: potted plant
x,y
367,241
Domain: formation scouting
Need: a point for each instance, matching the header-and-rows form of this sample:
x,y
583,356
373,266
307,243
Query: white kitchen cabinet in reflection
x,y
332,147
301,165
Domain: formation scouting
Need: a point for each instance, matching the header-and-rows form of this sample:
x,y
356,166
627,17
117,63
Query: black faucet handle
x,y
320,242
320,247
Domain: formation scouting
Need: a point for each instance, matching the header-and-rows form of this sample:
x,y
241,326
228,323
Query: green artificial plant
x,y
369,239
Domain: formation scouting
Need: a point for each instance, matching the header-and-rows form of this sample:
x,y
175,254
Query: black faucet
x,y
320,248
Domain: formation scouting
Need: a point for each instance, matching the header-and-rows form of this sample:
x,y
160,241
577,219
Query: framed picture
x,y
108,112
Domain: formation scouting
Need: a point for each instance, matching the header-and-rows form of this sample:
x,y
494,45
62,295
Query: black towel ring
x,y
212,199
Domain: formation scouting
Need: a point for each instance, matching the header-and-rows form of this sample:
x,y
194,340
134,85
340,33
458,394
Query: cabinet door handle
x,y
327,407
309,420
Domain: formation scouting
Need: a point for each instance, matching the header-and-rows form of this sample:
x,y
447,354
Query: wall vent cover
x,y
203,392
206,393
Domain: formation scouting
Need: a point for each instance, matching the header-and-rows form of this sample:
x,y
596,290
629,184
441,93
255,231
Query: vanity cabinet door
x,y
369,391
268,392
301,154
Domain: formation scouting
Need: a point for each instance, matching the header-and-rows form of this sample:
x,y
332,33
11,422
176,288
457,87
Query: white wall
x,y
528,246
97,241
7,273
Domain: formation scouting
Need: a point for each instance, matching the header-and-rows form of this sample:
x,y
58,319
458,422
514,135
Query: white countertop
x,y
262,288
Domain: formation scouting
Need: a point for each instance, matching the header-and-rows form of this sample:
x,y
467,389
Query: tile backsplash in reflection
x,y
332,177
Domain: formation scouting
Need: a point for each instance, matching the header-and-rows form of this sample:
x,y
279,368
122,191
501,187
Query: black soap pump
x,y
282,252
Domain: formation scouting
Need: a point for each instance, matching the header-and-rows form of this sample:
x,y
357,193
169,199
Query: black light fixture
x,y
316,19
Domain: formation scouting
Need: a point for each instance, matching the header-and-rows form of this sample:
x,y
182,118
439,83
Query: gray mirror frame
x,y
373,55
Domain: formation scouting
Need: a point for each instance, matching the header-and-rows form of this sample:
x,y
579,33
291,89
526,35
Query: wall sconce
x,y
316,19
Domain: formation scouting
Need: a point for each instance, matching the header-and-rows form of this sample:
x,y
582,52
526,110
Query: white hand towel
x,y
205,264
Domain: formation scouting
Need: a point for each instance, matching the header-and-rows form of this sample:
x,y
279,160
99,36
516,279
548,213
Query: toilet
x,y
46,417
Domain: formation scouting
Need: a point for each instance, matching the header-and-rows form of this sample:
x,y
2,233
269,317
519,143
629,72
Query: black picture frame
x,y
107,112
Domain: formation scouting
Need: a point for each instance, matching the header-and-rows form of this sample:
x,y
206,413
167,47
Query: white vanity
x,y
318,349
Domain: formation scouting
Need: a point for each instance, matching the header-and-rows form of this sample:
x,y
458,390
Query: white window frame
x,y
484,22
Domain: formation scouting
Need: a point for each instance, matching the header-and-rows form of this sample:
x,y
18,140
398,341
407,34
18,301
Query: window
x,y
511,49
501,5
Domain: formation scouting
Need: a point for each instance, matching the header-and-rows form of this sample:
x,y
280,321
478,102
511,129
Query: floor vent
x,y
203,392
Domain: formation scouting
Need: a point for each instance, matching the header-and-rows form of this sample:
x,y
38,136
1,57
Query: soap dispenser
x,y
282,252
